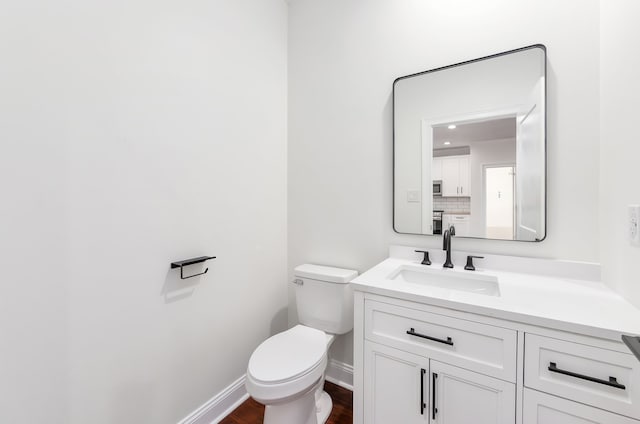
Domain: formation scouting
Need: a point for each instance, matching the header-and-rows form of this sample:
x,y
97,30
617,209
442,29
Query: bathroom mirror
x,y
470,148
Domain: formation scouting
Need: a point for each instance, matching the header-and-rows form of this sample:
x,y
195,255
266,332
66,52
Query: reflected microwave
x,y
437,188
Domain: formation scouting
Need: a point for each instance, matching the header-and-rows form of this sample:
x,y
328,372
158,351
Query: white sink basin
x,y
467,281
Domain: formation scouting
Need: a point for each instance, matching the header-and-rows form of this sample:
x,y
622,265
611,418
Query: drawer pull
x,y
422,404
612,382
412,332
434,410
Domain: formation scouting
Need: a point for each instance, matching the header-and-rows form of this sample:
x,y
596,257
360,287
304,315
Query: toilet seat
x,y
287,364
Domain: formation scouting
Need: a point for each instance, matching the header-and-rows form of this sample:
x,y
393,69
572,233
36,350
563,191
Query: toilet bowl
x,y
286,372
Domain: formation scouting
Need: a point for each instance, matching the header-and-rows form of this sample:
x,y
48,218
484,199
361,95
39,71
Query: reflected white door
x,y
530,166
499,198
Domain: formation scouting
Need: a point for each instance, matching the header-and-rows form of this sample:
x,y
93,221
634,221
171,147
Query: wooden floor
x,y
251,412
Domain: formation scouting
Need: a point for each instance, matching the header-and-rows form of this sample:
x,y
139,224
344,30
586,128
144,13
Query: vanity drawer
x,y
541,408
482,348
599,377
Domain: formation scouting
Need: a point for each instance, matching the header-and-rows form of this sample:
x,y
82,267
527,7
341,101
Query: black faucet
x,y
446,245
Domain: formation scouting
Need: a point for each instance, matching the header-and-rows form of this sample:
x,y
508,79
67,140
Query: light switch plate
x,y
413,196
634,224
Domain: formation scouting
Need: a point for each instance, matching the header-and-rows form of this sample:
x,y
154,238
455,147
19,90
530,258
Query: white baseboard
x,y
219,406
340,373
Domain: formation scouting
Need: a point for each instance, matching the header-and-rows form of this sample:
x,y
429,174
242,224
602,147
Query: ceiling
x,y
477,132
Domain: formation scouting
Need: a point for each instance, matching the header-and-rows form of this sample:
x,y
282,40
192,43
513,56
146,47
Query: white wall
x,y
133,133
33,336
620,147
343,58
136,133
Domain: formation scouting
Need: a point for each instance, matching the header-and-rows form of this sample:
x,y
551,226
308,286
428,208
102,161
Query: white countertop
x,y
562,303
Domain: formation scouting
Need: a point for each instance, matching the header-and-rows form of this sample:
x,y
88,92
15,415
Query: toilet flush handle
x,y
298,282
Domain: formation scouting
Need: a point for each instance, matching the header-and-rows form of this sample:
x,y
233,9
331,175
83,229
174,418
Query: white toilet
x,y
286,372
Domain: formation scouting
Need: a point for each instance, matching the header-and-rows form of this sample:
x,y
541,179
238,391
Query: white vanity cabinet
x,y
459,396
396,386
418,363
402,387
541,408
417,368
583,372
456,181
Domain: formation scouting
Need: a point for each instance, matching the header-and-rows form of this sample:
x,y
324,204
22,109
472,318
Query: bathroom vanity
x,y
519,340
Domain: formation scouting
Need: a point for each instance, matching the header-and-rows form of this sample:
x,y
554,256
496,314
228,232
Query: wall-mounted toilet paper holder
x,y
192,261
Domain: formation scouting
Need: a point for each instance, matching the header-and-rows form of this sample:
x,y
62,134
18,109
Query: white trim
x,y
340,373
358,357
219,406
222,404
473,117
426,179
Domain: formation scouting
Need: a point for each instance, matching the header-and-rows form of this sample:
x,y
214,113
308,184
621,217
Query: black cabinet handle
x,y
422,404
434,410
612,382
448,341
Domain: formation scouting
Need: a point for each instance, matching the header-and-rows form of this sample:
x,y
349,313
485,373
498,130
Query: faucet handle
x,y
425,259
469,266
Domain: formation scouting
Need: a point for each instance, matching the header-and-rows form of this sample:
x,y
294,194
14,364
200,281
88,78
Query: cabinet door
x,y
541,408
461,224
463,397
464,176
436,171
395,386
450,177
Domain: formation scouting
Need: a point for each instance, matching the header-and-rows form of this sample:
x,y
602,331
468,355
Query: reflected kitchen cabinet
x,y
459,222
455,176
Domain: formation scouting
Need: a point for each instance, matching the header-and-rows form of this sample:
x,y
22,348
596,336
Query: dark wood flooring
x,y
251,412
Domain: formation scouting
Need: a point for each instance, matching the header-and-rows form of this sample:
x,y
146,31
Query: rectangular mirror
x,y
470,148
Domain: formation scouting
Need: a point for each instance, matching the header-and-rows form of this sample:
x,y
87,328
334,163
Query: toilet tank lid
x,y
325,273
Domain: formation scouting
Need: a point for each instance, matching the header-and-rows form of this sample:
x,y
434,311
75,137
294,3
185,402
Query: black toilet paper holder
x,y
192,261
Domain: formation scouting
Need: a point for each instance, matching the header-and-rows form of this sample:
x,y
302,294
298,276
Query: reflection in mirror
x,y
469,148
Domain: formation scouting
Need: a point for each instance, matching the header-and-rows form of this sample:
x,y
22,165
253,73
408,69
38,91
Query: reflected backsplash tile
x,y
452,204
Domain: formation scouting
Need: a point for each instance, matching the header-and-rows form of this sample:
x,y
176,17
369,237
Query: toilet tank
x,y
324,297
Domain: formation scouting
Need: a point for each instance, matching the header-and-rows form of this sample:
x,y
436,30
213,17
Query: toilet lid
x,y
288,355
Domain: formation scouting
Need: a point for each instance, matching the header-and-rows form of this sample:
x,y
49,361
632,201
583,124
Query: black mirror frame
x,y
546,101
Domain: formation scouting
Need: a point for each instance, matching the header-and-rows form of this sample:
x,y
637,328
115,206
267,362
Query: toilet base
x,y
324,405
314,407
